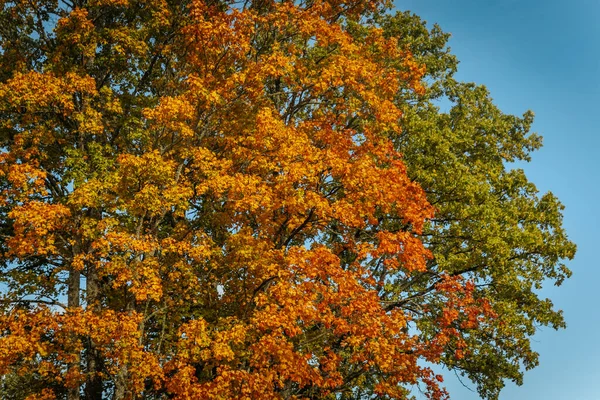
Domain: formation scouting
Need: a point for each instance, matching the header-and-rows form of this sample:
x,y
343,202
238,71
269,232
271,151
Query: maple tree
x,y
208,199
491,225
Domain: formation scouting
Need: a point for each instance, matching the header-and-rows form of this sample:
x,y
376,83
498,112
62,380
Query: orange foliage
x,y
227,238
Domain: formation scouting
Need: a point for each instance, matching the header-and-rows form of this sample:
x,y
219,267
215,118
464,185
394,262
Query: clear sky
x,y
544,55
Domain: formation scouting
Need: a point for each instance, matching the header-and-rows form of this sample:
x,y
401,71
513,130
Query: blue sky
x,y
545,56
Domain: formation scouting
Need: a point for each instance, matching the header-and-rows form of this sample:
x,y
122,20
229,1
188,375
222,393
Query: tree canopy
x,y
259,200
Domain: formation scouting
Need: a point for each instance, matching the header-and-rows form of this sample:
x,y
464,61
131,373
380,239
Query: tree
x,y
205,199
490,225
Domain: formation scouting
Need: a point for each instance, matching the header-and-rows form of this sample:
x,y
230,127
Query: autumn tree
x,y
208,199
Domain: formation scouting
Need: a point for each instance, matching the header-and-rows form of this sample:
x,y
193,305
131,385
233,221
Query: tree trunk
x,y
94,361
73,302
121,384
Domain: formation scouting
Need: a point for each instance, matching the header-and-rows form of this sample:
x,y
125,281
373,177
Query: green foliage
x,y
491,224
